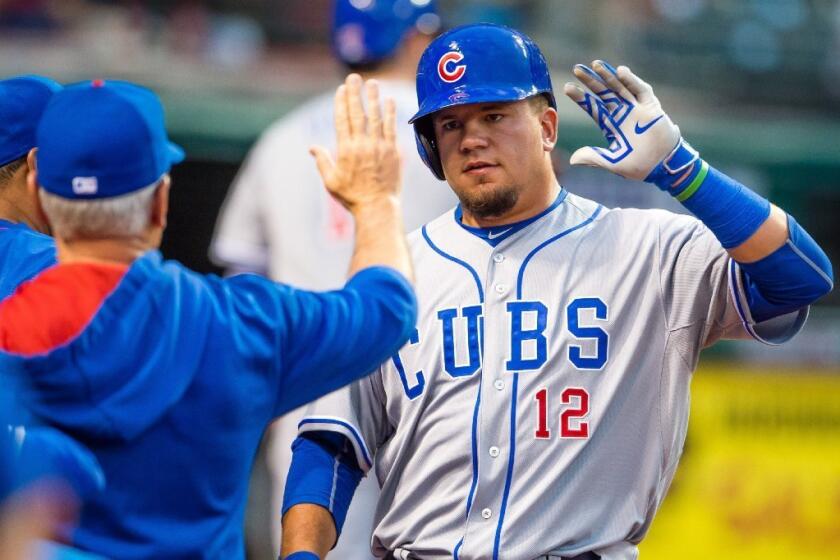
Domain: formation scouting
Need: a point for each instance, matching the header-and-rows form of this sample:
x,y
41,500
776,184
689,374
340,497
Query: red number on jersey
x,y
542,414
570,414
572,425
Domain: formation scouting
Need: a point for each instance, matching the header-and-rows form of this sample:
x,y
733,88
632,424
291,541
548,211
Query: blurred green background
x,y
753,84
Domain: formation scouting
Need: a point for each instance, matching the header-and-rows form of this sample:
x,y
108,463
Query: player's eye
x,y
449,125
494,117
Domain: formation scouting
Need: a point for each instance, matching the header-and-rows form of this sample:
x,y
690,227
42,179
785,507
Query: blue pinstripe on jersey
x,y
475,276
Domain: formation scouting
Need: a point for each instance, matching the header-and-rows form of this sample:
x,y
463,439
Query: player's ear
x,y
32,160
160,203
32,179
549,121
32,194
32,172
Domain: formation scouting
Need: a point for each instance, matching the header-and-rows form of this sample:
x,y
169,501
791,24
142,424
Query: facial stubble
x,y
490,202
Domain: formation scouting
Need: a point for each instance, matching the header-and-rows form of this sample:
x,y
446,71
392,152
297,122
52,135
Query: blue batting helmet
x,y
367,31
477,63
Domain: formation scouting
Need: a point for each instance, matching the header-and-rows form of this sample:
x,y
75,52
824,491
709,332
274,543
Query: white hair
x,y
123,216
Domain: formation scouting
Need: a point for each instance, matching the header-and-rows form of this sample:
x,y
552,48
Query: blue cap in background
x,y
367,31
101,139
22,102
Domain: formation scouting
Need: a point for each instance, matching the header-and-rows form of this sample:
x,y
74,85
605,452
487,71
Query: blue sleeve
x,y
48,550
7,453
308,344
792,277
324,472
47,453
334,338
302,555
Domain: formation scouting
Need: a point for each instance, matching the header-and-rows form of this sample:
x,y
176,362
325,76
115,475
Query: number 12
x,y
572,425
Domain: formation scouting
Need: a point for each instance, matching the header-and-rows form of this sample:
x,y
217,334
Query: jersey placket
x,y
494,443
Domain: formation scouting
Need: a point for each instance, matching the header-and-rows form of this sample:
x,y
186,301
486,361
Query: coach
x,y
170,377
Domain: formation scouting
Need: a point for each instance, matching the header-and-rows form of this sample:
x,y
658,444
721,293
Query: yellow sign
x,y
760,475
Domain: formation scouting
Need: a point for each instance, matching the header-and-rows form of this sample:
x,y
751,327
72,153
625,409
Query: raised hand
x,y
640,135
367,167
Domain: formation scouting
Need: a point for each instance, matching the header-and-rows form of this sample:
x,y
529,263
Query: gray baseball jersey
x,y
541,406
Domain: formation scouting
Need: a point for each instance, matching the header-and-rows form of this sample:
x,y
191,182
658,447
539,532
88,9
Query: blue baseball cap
x,y
22,102
103,138
367,31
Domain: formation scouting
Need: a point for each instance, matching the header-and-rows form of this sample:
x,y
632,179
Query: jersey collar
x,y
496,234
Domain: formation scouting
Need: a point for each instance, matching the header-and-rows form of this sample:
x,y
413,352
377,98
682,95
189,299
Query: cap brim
x,y
8,158
176,153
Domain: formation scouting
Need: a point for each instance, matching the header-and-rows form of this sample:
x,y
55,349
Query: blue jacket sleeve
x,y
324,472
46,452
308,344
334,338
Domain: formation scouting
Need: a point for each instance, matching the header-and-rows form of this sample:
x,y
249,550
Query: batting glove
x,y
644,143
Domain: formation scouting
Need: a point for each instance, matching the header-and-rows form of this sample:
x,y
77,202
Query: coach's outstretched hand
x,y
365,176
367,166
640,134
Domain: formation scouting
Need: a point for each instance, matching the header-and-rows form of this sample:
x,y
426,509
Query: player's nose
x,y
474,136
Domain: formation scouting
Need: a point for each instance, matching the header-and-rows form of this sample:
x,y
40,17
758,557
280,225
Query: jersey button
x,y
498,257
499,384
494,451
486,513
501,289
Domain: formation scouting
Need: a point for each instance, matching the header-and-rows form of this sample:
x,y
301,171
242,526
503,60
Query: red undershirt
x,y
54,307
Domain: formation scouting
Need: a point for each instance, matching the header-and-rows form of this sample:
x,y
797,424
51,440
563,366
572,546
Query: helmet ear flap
x,y
424,133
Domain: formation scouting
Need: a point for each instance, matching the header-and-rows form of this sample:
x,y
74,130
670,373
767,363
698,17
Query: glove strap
x,y
682,159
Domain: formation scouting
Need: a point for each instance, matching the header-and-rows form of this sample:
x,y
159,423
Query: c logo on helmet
x,y
445,67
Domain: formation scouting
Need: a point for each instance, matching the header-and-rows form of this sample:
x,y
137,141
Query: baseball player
x,y
25,250
171,377
540,406
25,246
277,220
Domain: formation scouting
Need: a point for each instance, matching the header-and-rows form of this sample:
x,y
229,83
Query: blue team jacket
x,y
23,254
174,379
44,452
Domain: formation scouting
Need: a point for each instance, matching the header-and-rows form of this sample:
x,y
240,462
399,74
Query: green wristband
x,y
695,184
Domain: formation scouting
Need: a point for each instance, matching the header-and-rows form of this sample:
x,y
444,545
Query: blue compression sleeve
x,y
732,211
302,555
729,209
324,471
793,276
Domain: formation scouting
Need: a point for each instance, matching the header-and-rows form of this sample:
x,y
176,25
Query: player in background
x,y
32,454
25,245
540,407
169,376
276,221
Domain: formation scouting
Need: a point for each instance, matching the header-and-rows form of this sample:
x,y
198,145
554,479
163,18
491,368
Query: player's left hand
x,y
640,134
